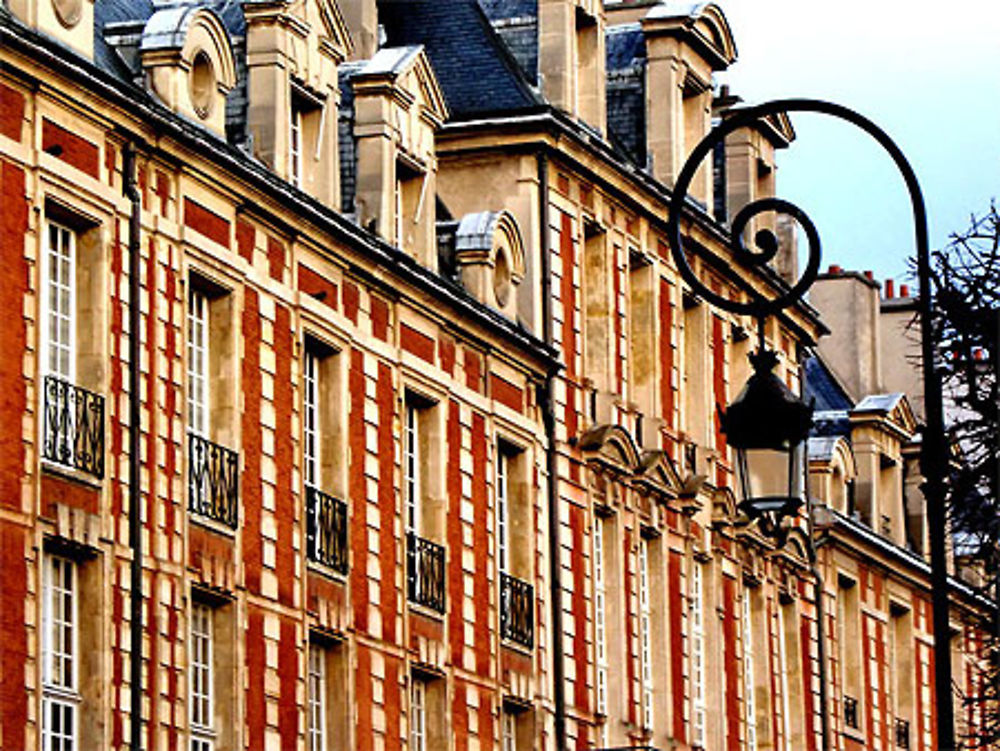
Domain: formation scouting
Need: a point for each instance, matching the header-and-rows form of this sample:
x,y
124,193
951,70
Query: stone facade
x,y
428,450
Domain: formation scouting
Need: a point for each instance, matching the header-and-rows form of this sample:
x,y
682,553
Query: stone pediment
x,y
407,74
656,473
612,447
702,25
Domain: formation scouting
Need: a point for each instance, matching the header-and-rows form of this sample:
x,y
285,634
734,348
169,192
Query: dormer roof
x,y
702,25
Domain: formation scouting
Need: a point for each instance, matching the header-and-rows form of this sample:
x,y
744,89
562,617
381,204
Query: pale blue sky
x,y
926,73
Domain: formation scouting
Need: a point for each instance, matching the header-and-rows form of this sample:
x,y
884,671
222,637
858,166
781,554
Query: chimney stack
x,y
890,289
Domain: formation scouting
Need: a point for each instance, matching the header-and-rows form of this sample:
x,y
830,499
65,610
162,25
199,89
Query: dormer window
x,y
202,85
295,146
409,196
305,130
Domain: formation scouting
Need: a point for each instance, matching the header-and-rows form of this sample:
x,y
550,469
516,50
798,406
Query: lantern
x,y
767,425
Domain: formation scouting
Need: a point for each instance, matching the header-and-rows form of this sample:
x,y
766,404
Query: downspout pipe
x,y
131,191
547,401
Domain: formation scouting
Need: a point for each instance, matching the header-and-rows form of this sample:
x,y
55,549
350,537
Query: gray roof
x,y
878,403
821,447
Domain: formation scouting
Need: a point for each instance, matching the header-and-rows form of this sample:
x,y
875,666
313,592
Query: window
x,y
696,613
310,418
749,702
600,625
198,363
849,636
59,299
784,667
72,287
201,677
503,525
317,699
60,645
418,715
645,649
508,730
411,468
295,145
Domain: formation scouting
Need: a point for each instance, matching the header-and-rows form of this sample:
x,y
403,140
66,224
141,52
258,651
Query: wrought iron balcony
x,y
424,572
517,610
902,733
73,431
212,480
851,712
326,529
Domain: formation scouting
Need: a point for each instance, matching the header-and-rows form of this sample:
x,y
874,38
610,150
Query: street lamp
x,y
747,420
767,424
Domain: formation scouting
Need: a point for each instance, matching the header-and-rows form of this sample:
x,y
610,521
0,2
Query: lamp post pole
x,y
934,460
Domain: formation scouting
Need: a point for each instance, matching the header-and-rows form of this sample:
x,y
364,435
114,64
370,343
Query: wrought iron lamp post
x,y
767,423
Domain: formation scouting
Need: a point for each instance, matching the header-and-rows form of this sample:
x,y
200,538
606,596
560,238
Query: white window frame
x,y
508,731
600,625
202,676
503,510
198,362
59,286
749,700
645,636
411,467
418,714
60,646
311,418
786,726
295,146
696,614
317,699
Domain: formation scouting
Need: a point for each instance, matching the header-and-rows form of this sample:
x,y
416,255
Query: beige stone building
x,y
350,333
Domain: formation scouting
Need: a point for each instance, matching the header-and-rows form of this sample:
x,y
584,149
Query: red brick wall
x,y
13,333
206,222
14,645
284,456
480,546
386,401
69,147
250,493
11,112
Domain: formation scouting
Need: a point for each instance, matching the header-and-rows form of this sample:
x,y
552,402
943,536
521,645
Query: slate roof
x,y
625,50
821,385
476,72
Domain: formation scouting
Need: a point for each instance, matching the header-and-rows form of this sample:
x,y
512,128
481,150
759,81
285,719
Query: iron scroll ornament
x,y
766,243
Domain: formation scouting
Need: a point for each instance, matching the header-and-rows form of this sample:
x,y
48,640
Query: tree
x,y
966,278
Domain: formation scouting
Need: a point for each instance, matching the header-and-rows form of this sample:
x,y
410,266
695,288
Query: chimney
x,y
361,19
849,305
904,290
835,269
890,289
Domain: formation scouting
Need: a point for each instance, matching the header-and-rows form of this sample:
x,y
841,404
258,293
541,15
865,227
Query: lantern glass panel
x,y
768,478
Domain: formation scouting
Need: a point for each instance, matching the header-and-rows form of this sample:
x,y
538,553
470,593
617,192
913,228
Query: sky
x,y
927,73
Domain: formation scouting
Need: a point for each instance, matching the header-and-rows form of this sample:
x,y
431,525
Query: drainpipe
x,y
131,192
547,401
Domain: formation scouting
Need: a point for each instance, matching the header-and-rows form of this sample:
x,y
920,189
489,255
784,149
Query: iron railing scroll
x,y
517,611
326,529
424,572
213,481
74,427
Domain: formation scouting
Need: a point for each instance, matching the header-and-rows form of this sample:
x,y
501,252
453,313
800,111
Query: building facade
x,y
351,330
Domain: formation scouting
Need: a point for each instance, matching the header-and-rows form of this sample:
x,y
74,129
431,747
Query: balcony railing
x,y
326,529
212,480
902,733
517,611
851,712
424,572
73,433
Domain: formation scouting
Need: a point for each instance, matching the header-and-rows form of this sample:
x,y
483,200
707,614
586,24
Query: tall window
x,y
198,363
411,467
59,301
317,699
786,720
749,701
645,649
508,731
418,715
503,510
295,146
600,630
202,725
60,645
311,418
696,614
